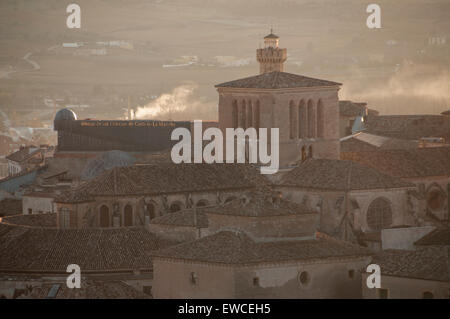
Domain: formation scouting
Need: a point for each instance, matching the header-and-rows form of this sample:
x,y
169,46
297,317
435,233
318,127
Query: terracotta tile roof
x,y
432,161
408,126
166,178
277,80
446,112
90,289
36,220
185,217
23,154
10,206
259,204
438,237
327,174
229,247
430,263
51,250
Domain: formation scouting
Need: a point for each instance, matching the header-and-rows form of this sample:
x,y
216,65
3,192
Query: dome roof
x,y
65,114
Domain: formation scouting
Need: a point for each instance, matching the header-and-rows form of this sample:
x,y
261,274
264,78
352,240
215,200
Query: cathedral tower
x,y
271,58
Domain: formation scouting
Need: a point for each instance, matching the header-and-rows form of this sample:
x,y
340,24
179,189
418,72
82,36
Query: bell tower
x,y
271,58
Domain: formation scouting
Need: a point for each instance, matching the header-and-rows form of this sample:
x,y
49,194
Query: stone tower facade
x,y
271,58
304,109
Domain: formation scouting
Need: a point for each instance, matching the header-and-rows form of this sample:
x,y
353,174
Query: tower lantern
x,y
271,58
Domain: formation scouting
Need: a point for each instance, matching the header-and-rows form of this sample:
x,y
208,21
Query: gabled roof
x,y
277,80
232,247
166,178
23,154
429,263
327,174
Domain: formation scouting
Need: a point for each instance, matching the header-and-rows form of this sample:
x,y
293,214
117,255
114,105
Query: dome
x,y
65,114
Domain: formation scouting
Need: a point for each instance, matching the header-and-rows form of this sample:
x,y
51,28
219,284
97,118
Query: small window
x,y
427,295
147,290
382,293
351,274
256,281
304,278
193,278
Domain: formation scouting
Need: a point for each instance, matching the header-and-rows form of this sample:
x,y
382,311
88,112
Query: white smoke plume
x,y
412,89
180,104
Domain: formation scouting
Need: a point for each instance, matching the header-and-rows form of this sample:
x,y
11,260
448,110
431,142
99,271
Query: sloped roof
x,y
421,162
438,237
327,174
430,263
47,220
166,178
260,204
363,141
231,247
10,206
277,80
187,217
23,154
408,126
271,36
90,289
25,248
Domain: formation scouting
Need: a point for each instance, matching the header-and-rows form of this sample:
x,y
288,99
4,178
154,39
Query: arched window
x,y
435,199
256,117
104,216
303,153
302,120
243,119
128,216
379,214
292,121
310,151
175,207
202,203
311,120
250,114
320,119
234,114
150,210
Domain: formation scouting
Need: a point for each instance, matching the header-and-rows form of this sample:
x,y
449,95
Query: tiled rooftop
x,y
260,204
327,174
438,237
277,80
229,247
431,263
23,154
166,178
35,220
433,161
187,217
24,248
90,289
